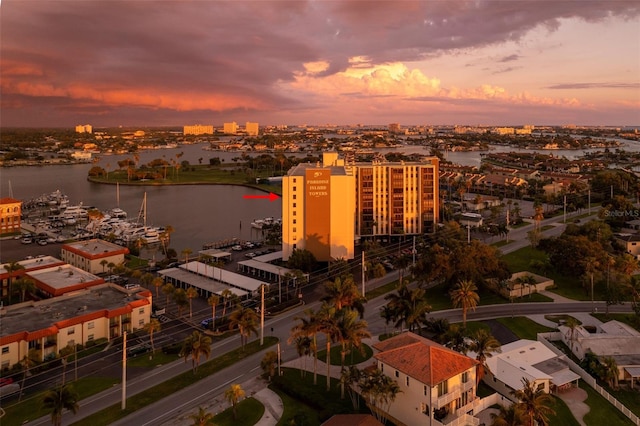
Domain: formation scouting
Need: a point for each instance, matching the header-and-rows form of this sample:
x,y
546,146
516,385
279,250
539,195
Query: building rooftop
x,y
93,247
422,359
37,263
35,316
64,276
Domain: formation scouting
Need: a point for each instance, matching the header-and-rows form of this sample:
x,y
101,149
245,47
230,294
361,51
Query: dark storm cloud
x,y
145,54
509,58
595,86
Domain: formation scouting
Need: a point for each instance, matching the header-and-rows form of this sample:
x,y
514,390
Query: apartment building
x,y
327,206
10,210
102,312
94,255
318,209
394,199
198,129
252,129
230,128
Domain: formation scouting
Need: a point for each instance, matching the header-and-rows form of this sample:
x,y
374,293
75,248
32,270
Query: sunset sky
x,y
168,63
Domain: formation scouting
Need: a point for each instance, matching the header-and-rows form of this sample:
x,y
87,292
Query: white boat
x,y
257,224
78,211
118,213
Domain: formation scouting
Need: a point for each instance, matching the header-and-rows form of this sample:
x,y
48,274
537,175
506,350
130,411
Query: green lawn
x,y
567,286
629,319
295,412
30,408
249,411
602,412
353,357
195,174
563,415
523,327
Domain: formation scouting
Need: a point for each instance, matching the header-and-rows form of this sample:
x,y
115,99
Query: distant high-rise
x,y
84,128
230,128
394,128
198,129
251,128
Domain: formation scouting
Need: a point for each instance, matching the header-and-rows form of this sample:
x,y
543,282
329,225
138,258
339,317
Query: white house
x,y
531,360
438,385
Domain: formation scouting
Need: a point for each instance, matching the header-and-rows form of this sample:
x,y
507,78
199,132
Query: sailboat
x,y
117,212
149,234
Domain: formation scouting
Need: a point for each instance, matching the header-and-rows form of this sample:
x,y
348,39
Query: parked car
x,y
250,255
139,349
206,323
236,248
27,240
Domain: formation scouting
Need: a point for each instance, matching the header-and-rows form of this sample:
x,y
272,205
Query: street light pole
x,y
262,316
124,371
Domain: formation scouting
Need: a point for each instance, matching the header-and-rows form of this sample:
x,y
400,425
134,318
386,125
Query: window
x,y
407,380
5,350
294,205
425,390
465,377
90,325
141,322
443,388
424,408
90,337
295,188
294,213
294,196
294,221
141,311
71,331
397,373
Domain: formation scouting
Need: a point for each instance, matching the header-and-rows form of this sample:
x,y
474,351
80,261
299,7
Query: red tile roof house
x,y
438,385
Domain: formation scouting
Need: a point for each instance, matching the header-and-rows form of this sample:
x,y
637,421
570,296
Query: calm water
x,y
199,213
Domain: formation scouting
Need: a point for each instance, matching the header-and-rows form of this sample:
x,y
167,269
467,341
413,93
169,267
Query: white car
x,y
236,248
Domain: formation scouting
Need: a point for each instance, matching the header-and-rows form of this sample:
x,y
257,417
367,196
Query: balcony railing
x,y
453,394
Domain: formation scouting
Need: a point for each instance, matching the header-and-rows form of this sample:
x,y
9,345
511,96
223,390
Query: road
x,y
213,387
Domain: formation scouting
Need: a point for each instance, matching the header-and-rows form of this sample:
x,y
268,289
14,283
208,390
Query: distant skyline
x,y
174,63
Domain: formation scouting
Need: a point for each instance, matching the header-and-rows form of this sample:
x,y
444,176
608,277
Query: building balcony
x,y
453,394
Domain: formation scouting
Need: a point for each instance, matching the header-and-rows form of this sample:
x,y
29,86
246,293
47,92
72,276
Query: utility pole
x,y
364,268
565,209
279,360
589,201
413,251
262,316
124,371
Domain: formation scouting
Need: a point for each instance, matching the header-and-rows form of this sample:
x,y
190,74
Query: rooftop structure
x,y
58,280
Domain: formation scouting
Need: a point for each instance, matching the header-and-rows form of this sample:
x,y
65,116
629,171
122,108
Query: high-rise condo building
x,y
230,128
318,209
84,128
251,128
396,199
198,129
327,206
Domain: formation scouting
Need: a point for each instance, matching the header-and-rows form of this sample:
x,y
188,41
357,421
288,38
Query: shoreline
x,y
275,190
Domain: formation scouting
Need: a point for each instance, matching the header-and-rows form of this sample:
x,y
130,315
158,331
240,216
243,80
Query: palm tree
x,y
408,307
483,344
379,391
308,327
151,327
343,293
196,346
12,267
609,371
168,290
226,295
59,399
465,296
534,403
439,328
186,252
180,298
192,293
213,301
327,324
147,279
456,339
507,416
104,263
233,395
268,363
572,324
246,320
27,362
349,332
24,285
202,418
157,282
